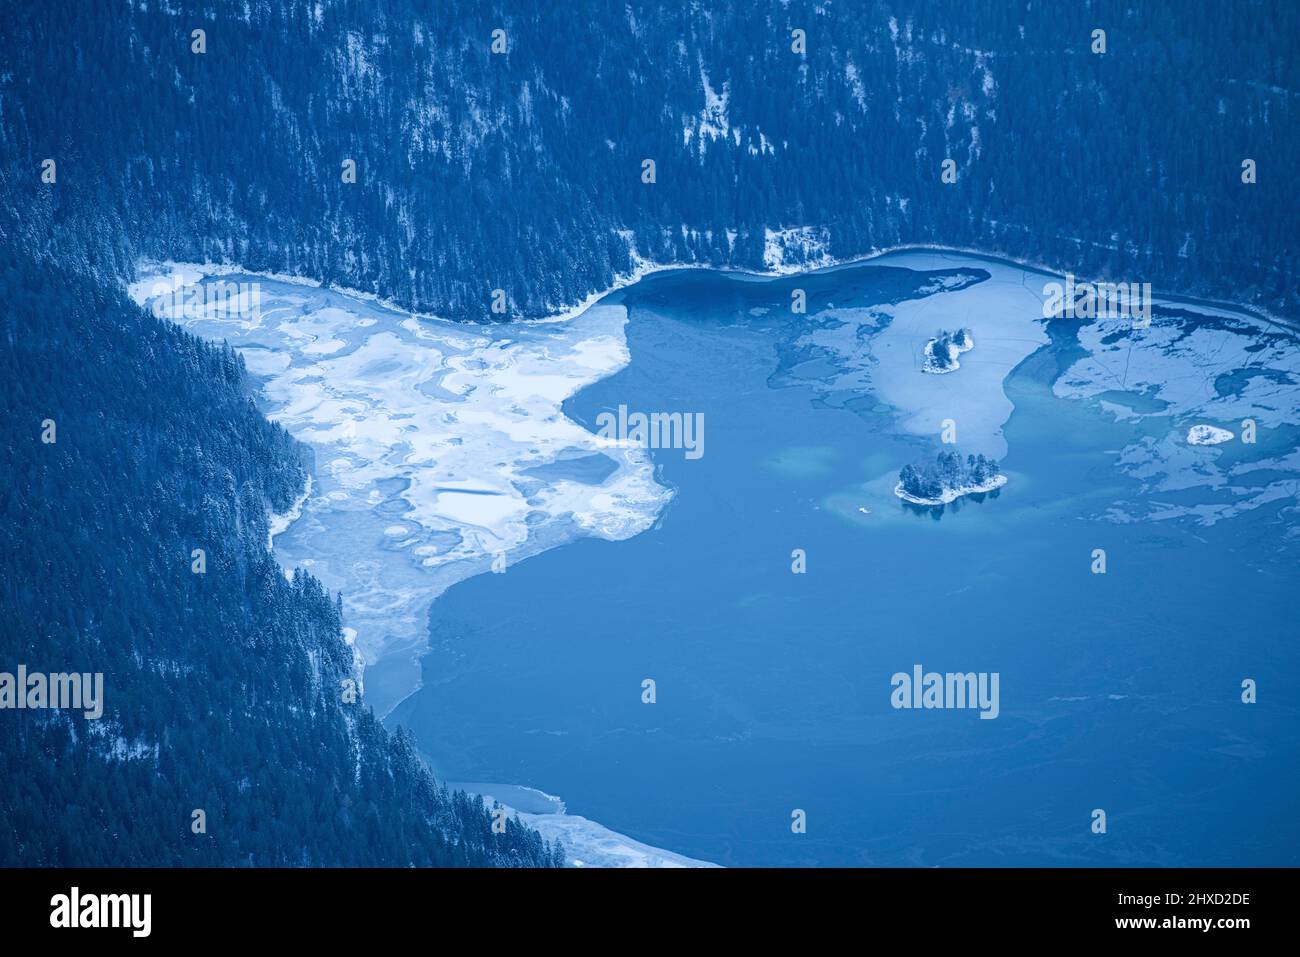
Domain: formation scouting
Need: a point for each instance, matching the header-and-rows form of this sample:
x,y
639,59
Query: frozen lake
x,y
441,448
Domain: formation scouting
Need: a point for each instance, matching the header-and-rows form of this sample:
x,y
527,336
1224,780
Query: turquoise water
x,y
1118,691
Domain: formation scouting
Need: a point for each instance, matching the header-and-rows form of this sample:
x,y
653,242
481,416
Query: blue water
x,y
1118,691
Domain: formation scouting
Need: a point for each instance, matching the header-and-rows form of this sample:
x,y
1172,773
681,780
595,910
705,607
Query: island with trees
x,y
942,351
948,478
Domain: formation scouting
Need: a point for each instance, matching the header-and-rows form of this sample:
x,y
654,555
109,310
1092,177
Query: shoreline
x,y
587,843
278,522
644,268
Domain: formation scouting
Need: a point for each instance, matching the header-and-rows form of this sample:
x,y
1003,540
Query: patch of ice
x,y
1208,435
433,425
1194,361
879,350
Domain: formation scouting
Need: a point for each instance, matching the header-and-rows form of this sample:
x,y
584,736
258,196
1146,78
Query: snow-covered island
x,y
942,351
948,478
1208,435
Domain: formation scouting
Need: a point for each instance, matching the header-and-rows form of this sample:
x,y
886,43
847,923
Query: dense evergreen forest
x,y
222,690
522,170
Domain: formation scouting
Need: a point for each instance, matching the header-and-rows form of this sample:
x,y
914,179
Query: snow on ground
x,y
586,843
795,249
1004,314
277,522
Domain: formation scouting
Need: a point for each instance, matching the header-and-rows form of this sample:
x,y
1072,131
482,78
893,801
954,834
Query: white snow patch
x,y
1208,435
431,425
795,249
277,522
586,843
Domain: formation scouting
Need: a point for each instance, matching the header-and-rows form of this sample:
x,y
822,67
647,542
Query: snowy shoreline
x,y
587,843
278,522
643,268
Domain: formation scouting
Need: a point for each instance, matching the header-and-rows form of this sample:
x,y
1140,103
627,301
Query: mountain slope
x,y
223,691
522,170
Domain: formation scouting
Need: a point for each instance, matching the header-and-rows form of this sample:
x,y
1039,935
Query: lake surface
x,y
1118,691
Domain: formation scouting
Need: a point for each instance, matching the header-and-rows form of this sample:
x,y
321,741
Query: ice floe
x,y
1208,435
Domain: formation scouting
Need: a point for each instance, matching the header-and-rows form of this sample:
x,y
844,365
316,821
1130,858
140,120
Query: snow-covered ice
x,y
1195,362
880,350
427,435
586,843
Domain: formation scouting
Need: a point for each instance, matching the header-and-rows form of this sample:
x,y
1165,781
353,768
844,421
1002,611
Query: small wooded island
x,y
947,478
942,351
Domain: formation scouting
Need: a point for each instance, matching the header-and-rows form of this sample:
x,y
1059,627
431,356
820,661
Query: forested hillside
x,y
522,170
222,690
